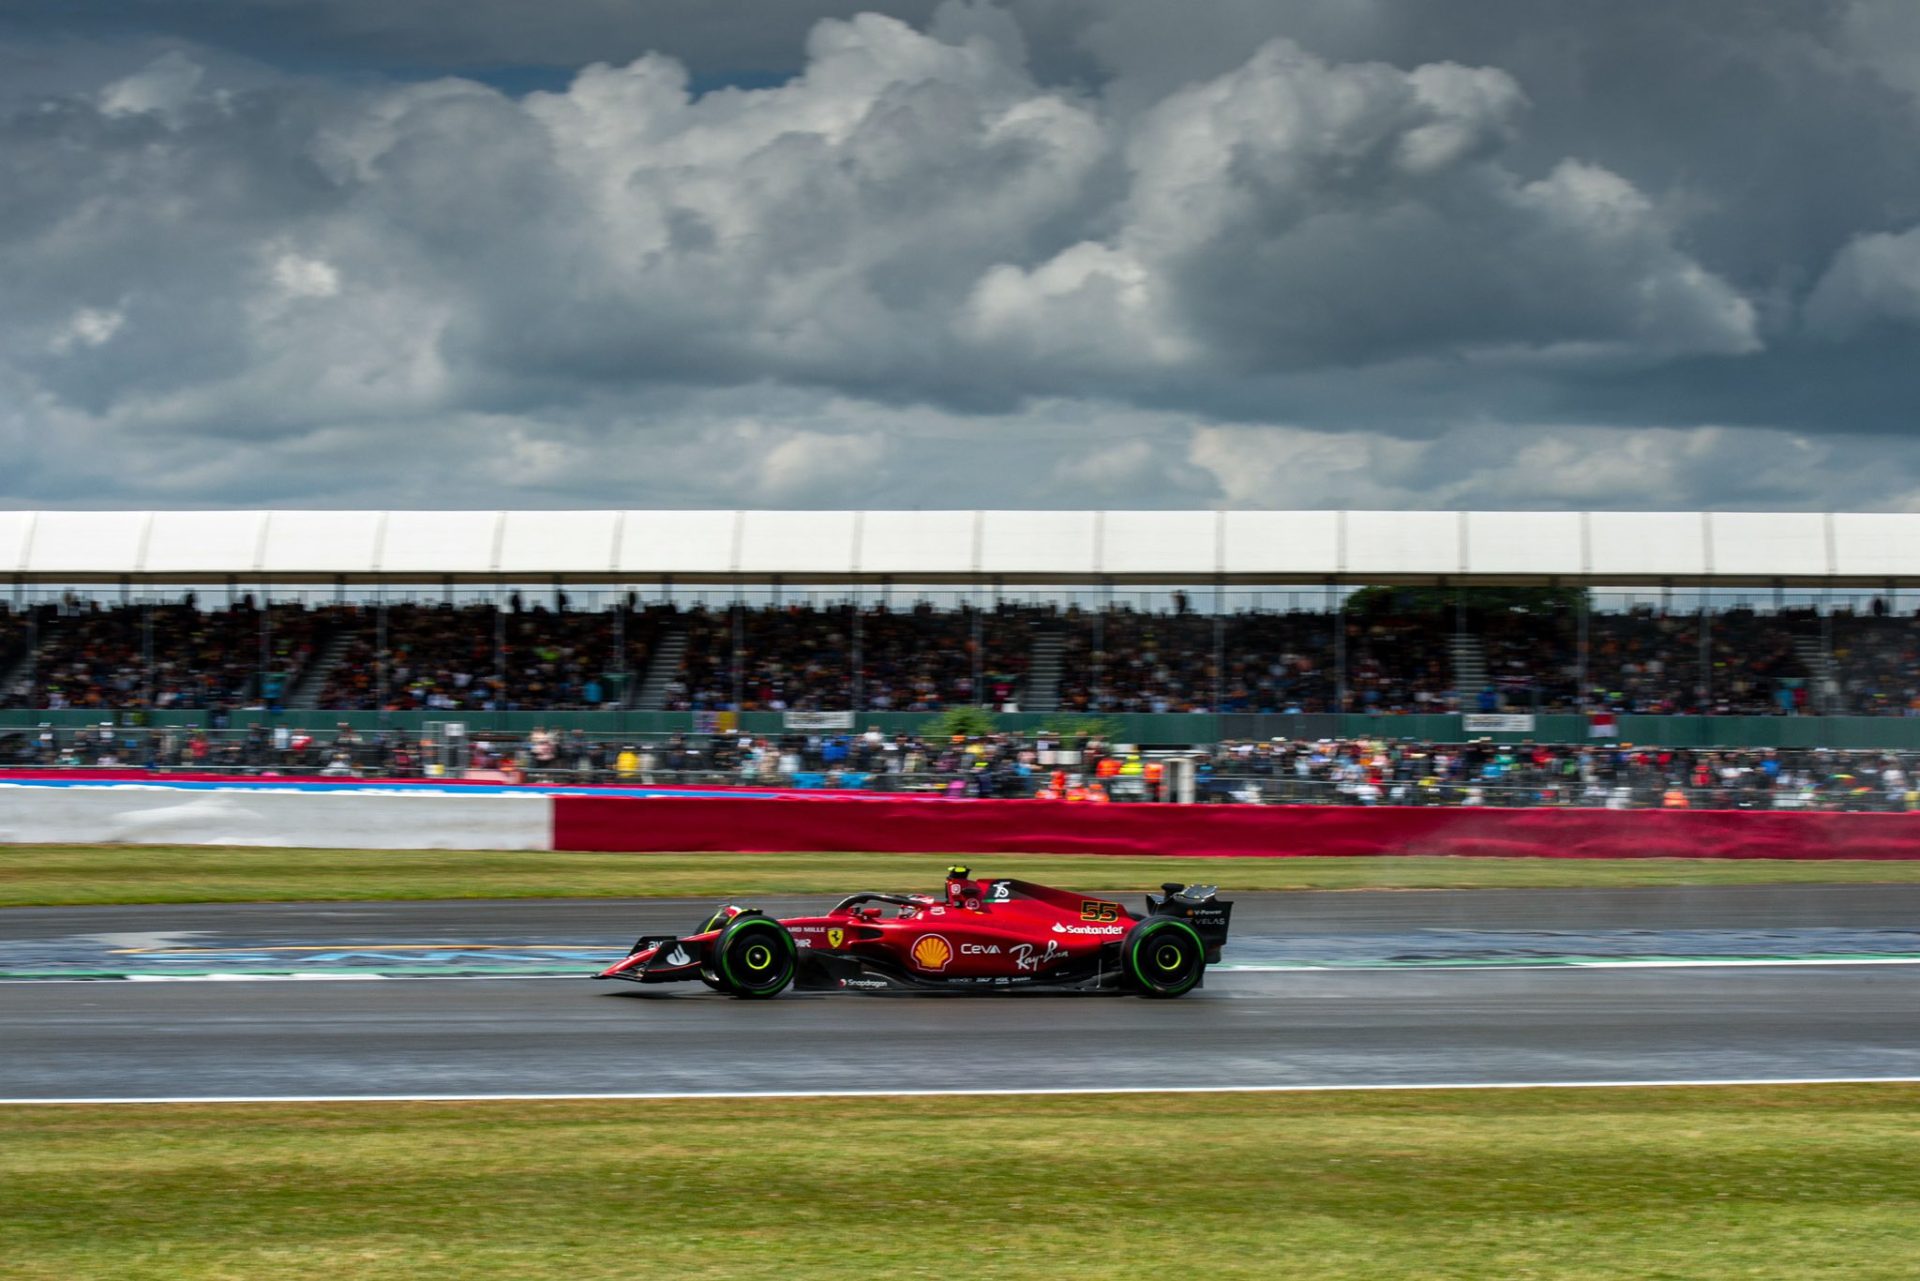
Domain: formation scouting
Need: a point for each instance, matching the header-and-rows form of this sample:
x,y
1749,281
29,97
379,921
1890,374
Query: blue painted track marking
x,y
193,955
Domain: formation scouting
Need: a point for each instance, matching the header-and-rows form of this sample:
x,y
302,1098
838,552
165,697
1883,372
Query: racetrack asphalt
x,y
1422,988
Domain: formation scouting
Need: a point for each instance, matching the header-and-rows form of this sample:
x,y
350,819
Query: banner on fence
x,y
1497,723
886,825
813,721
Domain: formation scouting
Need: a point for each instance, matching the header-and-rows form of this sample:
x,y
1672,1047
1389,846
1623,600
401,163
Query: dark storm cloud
x,y
1472,252
467,37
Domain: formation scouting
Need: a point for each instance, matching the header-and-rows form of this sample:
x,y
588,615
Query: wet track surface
x,y
1345,988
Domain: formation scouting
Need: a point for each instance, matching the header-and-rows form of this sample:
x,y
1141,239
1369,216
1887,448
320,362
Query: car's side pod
x,y
1200,907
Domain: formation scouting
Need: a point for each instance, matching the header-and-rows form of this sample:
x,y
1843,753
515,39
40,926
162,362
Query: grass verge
x,y
47,875
1580,1185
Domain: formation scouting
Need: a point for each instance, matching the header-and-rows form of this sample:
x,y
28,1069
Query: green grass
x,y
1593,1185
85,874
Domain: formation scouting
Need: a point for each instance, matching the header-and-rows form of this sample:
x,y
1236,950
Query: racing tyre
x,y
1163,957
754,957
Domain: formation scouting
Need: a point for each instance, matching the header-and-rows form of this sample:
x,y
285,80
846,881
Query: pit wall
x,y
1892,733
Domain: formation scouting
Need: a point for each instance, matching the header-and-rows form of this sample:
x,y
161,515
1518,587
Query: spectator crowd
x,y
167,657
1387,659
1040,766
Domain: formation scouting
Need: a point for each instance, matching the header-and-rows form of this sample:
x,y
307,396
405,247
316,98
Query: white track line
x,y
683,1095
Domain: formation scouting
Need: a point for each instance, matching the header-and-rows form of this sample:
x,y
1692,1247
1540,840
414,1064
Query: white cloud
x,y
1295,212
88,327
911,213
298,277
1365,267
1508,466
1885,36
164,86
1873,279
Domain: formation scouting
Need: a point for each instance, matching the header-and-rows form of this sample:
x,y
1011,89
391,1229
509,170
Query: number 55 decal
x,y
1106,913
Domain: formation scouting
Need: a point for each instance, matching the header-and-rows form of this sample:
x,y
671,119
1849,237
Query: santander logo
x,y
932,952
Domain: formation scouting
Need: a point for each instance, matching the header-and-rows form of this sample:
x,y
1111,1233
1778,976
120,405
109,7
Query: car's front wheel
x,y
754,957
1163,957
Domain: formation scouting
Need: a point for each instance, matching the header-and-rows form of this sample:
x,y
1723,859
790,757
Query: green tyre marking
x,y
1161,925
726,967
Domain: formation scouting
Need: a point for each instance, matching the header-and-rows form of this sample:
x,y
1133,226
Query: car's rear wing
x,y
1199,906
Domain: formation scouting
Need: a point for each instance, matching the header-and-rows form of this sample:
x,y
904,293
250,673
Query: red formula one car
x,y
984,934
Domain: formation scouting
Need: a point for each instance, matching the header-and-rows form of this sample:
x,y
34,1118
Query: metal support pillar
x,y
1337,605
266,642
620,612
979,657
499,659
739,652
1582,643
1823,705
31,672
146,655
856,663
1706,656
1100,643
380,655
1459,643
1219,646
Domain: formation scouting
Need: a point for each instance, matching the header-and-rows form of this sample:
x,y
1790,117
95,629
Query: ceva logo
x,y
932,952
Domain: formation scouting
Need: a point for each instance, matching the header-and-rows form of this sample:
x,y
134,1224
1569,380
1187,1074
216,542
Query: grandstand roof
x,y
964,547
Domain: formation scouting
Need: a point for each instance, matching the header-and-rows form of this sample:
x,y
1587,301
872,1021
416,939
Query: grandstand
x,y
694,613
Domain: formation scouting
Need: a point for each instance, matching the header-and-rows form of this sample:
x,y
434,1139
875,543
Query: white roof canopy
x,y
1797,549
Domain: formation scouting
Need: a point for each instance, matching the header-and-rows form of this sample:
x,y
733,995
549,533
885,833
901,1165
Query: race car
x,y
984,934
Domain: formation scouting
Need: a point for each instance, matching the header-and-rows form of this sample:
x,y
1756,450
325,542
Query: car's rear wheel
x,y
1163,957
754,957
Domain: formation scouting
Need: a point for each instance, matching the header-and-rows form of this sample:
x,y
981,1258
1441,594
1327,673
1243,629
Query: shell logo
x,y
932,952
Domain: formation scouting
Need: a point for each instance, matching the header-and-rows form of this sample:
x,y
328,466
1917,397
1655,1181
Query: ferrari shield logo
x,y
834,936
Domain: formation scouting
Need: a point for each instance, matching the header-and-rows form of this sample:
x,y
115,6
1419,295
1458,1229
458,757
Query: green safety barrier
x,y
1169,730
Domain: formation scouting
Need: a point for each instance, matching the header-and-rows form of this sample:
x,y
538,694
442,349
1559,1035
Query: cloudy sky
x,y
1035,253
